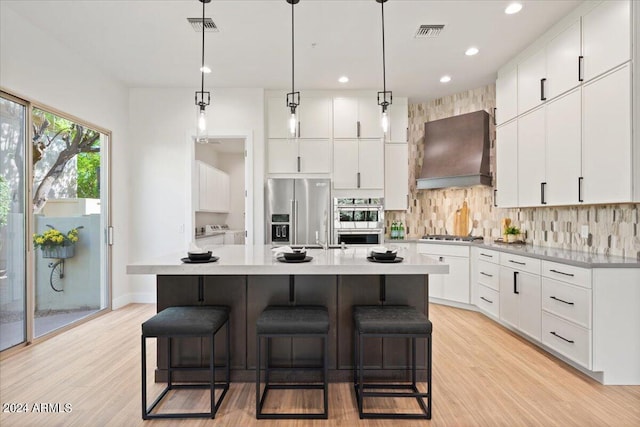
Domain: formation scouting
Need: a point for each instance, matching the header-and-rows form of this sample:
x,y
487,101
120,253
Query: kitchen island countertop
x,y
260,259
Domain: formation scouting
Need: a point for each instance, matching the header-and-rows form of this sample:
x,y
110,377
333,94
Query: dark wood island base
x,y
247,296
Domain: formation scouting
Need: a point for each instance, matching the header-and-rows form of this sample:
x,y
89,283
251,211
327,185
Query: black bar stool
x,y
180,322
391,321
294,322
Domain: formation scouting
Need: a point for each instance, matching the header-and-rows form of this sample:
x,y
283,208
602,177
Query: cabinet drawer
x,y
567,339
567,273
572,303
489,274
489,300
489,255
436,249
522,263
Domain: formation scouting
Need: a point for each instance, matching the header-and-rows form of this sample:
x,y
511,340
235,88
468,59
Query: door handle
x,y
580,63
298,163
110,235
515,282
495,120
580,189
542,95
358,179
495,198
543,185
358,131
298,131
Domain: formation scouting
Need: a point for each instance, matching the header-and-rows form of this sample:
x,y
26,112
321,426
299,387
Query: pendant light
x,y
203,99
293,97
385,98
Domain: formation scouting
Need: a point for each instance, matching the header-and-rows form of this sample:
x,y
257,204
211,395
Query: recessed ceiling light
x,y
205,69
513,8
472,51
445,79
343,79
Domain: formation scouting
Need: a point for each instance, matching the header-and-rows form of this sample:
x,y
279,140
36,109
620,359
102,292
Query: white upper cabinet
x,y
563,149
606,37
298,155
213,189
507,96
358,164
507,165
278,117
356,118
396,176
399,120
606,139
314,117
563,57
531,81
531,158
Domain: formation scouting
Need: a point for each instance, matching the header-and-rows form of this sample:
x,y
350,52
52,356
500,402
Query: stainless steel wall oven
x,y
358,221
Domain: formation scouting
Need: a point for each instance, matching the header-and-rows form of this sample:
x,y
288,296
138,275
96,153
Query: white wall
x,y
161,122
37,67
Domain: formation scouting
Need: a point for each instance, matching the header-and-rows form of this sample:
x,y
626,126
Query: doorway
x,y
229,157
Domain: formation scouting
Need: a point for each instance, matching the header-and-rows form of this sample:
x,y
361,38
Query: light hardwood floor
x,y
483,376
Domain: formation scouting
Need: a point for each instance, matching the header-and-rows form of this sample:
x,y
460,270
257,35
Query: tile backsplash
x,y
612,229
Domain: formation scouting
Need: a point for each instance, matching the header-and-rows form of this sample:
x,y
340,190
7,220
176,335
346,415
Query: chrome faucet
x,y
325,244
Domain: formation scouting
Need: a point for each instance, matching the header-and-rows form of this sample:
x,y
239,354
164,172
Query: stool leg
x,y
258,363
361,375
325,376
212,368
267,363
413,362
228,353
144,378
169,363
355,357
429,376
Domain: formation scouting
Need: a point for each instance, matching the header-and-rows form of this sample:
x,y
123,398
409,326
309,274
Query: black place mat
x,y
189,261
294,261
387,261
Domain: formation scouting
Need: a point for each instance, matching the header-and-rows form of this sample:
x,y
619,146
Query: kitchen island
x,y
248,278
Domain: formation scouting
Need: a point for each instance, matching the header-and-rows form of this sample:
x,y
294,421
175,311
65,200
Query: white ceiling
x,y
147,43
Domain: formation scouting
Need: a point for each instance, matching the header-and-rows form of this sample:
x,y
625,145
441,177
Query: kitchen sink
x,y
316,247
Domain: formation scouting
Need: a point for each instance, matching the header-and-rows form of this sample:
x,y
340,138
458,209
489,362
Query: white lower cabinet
x,y
217,239
588,316
566,338
455,285
520,301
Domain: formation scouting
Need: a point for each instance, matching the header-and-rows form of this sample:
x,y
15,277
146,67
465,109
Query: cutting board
x,y
459,222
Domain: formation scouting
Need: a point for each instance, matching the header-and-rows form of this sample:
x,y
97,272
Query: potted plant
x,y
55,244
512,233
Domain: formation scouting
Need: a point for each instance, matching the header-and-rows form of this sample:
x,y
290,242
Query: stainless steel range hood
x,y
456,152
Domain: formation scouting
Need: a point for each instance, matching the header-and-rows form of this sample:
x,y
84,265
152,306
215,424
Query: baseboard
x,y
140,297
453,304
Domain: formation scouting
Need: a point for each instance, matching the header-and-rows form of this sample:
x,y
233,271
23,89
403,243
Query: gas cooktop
x,y
452,238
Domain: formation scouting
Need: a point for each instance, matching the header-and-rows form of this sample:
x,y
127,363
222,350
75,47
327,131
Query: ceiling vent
x,y
429,31
209,25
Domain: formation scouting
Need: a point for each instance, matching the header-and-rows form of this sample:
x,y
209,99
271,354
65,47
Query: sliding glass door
x,y
54,198
13,137
69,221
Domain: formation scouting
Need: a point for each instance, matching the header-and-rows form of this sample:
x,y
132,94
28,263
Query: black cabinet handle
x,y
298,128
561,337
495,198
486,274
358,132
515,282
200,288
487,255
561,272
542,95
561,300
495,120
543,185
298,163
580,61
441,259
518,262
358,178
487,300
580,189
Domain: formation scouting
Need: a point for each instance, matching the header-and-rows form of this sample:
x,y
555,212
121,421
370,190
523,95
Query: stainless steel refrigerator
x,y
297,210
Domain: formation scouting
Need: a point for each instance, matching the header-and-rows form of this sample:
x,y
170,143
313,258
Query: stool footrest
x,y
295,387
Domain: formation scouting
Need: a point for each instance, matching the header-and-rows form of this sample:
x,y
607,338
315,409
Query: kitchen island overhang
x,y
249,278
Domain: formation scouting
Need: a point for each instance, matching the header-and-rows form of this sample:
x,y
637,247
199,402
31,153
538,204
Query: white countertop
x,y
259,259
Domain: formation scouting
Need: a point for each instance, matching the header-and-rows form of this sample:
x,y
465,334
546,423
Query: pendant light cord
x,y
292,50
202,68
384,73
